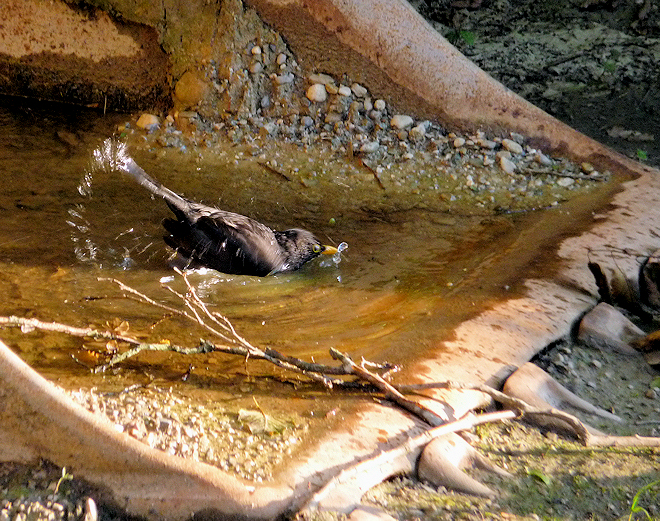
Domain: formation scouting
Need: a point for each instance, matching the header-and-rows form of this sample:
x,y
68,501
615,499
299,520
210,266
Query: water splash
x,y
336,258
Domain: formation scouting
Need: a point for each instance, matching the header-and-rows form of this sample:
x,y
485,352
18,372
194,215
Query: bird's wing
x,y
225,241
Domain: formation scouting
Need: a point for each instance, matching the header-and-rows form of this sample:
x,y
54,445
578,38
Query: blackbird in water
x,y
224,241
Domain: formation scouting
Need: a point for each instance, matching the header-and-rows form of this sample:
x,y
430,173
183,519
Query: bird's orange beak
x,y
329,250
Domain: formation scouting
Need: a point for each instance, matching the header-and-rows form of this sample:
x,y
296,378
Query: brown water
x,y
407,278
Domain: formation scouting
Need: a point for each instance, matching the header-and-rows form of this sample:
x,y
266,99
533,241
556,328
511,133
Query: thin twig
x,y
27,324
390,392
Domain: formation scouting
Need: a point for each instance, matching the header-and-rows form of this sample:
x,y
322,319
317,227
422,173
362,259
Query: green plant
x,y
65,477
635,507
609,66
456,36
641,154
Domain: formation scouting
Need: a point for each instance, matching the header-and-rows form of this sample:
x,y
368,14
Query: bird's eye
x,y
317,248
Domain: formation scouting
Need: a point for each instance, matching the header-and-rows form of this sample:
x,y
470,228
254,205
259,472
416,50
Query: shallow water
x,y
408,276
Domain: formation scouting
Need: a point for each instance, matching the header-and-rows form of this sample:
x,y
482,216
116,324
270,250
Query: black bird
x,y
224,241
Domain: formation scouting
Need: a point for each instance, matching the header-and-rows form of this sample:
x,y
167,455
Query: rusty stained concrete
x,y
55,52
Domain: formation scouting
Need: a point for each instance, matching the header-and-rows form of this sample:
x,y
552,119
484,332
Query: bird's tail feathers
x,y
114,154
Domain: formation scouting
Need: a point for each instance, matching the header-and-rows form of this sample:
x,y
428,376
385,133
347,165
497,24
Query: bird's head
x,y
301,246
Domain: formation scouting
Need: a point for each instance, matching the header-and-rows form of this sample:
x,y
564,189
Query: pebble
x,y
333,117
507,165
419,131
317,93
148,122
401,121
91,512
369,147
379,104
281,59
190,89
323,79
486,143
542,159
587,168
458,142
283,79
255,67
256,50
565,181
343,90
512,146
359,90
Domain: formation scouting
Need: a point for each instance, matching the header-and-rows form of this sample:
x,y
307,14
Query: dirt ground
x,y
591,63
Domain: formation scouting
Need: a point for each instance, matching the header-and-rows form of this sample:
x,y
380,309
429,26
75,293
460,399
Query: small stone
x,y
379,104
458,142
283,79
518,138
331,88
359,90
91,512
190,90
507,165
148,122
256,50
542,159
317,93
486,143
512,146
587,168
255,67
368,106
369,147
565,182
652,394
401,121
281,58
343,90
418,132
333,117
323,79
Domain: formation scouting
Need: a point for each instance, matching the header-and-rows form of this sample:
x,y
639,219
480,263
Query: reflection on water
x,y
406,279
